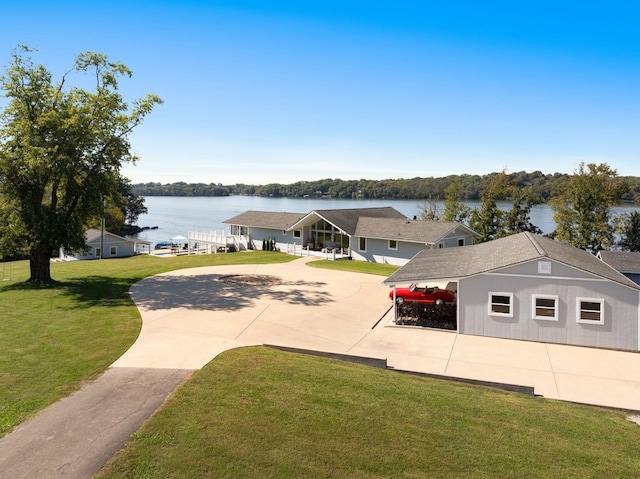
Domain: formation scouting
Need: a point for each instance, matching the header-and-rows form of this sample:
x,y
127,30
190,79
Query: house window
x,y
545,307
590,311
501,304
393,244
461,242
362,244
297,233
325,233
440,245
98,255
238,230
113,250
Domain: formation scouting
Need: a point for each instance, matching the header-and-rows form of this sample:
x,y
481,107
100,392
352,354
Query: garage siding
x,y
619,331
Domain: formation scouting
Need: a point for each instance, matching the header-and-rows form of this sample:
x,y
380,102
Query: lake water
x,y
178,215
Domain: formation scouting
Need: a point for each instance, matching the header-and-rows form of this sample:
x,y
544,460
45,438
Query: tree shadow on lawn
x,y
201,292
209,292
87,291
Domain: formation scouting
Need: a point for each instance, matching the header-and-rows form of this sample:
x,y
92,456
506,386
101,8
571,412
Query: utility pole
x,y
102,231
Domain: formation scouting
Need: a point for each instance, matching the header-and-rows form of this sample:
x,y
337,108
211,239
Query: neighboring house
x,y
529,287
627,262
381,235
114,246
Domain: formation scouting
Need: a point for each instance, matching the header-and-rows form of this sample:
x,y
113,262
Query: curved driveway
x,y
190,316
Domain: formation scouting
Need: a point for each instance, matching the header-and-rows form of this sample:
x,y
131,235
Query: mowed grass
x,y
53,338
355,266
258,412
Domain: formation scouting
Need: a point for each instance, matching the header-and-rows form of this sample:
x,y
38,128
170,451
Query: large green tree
x,y
454,208
492,222
628,227
61,151
583,211
488,220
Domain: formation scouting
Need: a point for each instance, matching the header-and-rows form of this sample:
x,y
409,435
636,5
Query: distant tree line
x,y
540,186
583,210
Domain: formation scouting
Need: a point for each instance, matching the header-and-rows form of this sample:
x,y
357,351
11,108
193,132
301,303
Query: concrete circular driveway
x,y
190,316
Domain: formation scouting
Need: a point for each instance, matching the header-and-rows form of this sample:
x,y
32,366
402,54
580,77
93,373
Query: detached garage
x,y
532,288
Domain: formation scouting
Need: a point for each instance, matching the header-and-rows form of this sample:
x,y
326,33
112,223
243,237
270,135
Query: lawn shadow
x,y
208,292
86,291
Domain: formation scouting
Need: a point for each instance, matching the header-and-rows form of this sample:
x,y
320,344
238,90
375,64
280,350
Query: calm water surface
x,y
177,215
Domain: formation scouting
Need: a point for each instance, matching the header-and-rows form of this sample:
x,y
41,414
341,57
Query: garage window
x,y
501,304
113,251
545,307
590,310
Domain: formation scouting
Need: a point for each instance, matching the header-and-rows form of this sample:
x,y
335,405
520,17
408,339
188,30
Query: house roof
x,y
347,219
623,261
265,219
419,231
93,234
452,263
384,222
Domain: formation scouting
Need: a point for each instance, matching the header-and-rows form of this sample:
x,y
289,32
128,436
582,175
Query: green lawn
x,y
53,338
355,266
258,412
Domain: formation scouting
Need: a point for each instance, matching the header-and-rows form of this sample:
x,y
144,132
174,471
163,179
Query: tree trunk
x,y
40,266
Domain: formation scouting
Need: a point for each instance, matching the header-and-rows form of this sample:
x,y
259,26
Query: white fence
x,y
210,242
299,250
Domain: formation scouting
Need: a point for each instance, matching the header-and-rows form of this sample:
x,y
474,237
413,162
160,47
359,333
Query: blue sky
x,y
282,91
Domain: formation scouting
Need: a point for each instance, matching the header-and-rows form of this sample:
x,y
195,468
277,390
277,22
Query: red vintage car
x,y
426,295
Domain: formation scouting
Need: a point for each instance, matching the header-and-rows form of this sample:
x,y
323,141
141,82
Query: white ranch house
x,y
528,287
381,235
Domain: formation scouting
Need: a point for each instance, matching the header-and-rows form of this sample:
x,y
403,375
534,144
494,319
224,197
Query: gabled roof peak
x,y
453,263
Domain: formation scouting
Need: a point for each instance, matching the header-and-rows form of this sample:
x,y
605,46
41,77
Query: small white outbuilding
x,y
109,244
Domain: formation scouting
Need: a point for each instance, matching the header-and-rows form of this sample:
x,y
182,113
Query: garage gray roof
x,y
265,219
453,263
